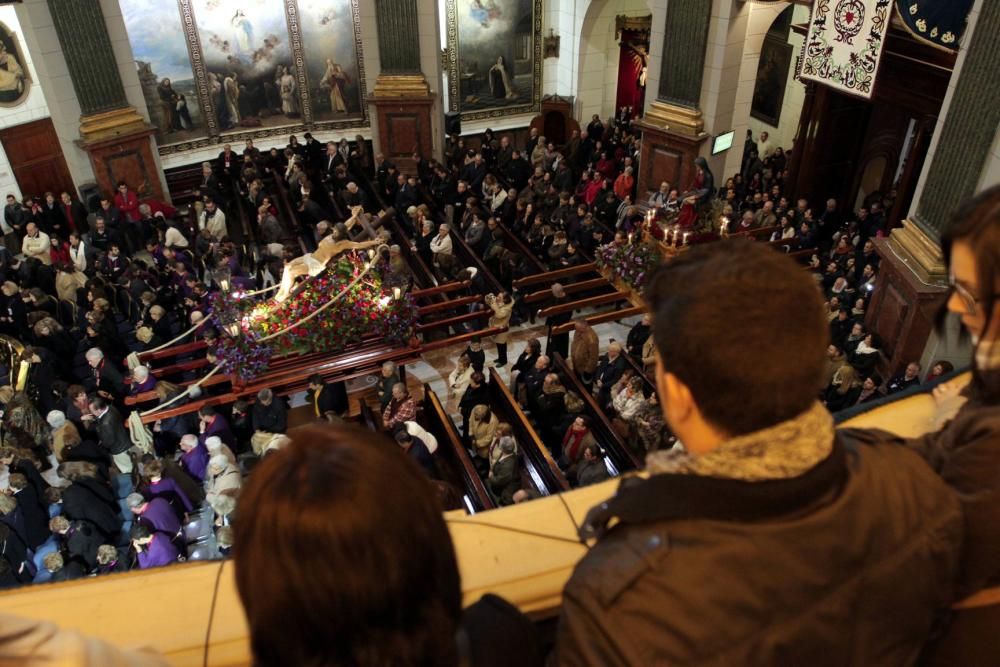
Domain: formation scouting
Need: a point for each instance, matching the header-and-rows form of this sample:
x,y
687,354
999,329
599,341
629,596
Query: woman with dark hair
x,y
333,502
699,195
966,451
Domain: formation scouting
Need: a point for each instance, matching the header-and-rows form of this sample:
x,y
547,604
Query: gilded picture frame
x,y
15,75
494,57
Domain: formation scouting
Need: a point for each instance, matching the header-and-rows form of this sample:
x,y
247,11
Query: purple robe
x,y
146,385
159,551
195,462
167,489
219,427
160,516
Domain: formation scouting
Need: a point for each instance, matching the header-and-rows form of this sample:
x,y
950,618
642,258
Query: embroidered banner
x,y
845,42
938,22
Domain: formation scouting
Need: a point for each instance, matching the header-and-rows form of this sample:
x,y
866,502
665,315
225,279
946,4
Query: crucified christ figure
x,y
316,262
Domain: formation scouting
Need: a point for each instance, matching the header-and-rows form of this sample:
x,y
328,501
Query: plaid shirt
x,y
398,412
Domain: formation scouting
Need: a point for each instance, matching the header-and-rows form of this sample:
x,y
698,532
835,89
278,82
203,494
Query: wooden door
x,y
36,158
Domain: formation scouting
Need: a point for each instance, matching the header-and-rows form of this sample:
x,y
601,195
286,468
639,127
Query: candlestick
x,y
685,242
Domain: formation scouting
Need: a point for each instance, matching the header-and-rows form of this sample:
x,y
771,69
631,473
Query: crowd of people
x,y
92,283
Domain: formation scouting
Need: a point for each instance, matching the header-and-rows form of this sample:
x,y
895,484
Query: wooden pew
x,y
554,276
422,274
469,257
570,288
601,318
600,300
453,454
648,385
517,245
367,417
336,370
538,462
620,458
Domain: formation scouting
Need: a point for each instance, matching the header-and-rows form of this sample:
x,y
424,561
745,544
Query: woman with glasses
x,y
966,451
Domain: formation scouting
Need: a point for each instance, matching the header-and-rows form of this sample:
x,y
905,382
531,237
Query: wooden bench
x,y
601,318
538,462
550,277
589,302
453,454
620,457
572,288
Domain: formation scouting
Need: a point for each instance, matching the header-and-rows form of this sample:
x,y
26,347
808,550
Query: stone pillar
x,y
114,134
402,99
912,277
672,126
961,150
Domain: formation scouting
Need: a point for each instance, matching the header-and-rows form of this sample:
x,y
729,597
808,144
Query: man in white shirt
x,y
78,252
765,146
36,244
659,198
214,220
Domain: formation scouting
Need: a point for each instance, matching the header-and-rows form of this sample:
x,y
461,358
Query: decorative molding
x,y
642,24
921,253
676,119
193,41
298,59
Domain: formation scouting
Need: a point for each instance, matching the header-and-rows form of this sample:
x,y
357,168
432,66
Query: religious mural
x,y
494,57
223,70
15,83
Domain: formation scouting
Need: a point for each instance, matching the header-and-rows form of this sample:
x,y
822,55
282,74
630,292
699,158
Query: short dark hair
x,y
315,378
716,311
139,531
306,514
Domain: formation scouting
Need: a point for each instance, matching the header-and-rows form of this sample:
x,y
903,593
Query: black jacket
x,y
111,432
36,516
270,418
332,398
92,500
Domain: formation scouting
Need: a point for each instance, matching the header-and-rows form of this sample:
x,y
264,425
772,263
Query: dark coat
x,y
36,516
270,418
91,500
506,479
848,563
332,398
82,542
111,432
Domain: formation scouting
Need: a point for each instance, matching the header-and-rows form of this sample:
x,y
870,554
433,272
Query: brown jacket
x,y
584,351
846,564
500,317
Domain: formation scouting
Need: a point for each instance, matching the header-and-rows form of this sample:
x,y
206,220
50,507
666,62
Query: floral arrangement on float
x,y
252,332
631,263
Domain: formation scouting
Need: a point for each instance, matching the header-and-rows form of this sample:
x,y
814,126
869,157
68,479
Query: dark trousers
x,y
501,354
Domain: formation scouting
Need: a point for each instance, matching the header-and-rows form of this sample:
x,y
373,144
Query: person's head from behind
x,y
331,502
711,305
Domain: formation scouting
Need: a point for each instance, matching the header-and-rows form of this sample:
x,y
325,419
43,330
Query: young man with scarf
x,y
768,538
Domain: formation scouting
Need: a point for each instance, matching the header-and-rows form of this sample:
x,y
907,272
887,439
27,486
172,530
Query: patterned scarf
x,y
783,451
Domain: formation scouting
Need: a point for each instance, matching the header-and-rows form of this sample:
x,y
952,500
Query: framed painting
x,y
331,45
494,57
15,79
165,73
772,77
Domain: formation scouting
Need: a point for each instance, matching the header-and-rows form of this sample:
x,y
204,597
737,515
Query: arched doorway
x,y
606,26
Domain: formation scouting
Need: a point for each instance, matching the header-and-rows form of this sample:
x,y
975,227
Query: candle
x,y
677,231
685,241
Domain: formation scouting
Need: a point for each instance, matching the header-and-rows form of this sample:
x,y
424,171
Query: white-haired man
x,y
105,379
142,381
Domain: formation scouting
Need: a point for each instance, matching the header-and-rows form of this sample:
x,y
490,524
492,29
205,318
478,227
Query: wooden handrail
x,y
175,350
599,300
536,454
448,305
571,288
601,318
522,249
434,410
471,258
446,288
451,321
461,338
293,382
367,416
621,456
554,276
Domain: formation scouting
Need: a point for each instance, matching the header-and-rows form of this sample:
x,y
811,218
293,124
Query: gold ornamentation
x,y
934,32
948,37
922,25
914,9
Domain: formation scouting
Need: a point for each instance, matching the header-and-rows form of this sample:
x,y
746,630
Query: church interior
x,y
500,332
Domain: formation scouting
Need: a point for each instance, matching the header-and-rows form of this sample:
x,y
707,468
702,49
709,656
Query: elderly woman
x,y
64,433
502,306
460,377
224,478
482,427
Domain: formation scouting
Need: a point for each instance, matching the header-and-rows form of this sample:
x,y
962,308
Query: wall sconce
x,y
550,45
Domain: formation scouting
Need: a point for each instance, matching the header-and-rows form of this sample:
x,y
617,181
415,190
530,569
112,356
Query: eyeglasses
x,y
969,301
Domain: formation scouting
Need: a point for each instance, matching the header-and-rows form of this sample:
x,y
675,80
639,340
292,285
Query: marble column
x,y
961,149
402,98
112,132
673,129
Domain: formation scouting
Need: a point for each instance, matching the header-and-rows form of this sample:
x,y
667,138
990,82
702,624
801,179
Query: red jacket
x,y
128,205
